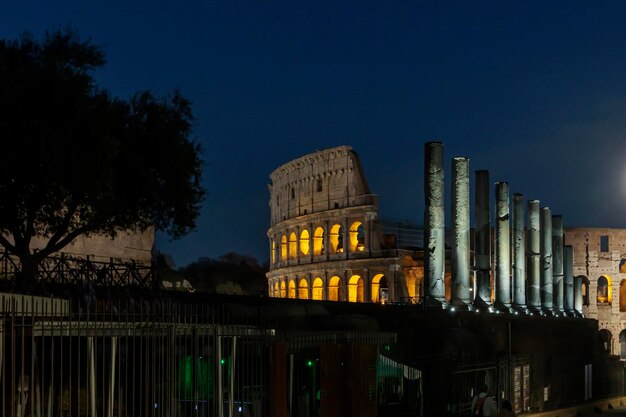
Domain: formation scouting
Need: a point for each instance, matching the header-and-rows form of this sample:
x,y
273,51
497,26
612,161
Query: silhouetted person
x,y
483,403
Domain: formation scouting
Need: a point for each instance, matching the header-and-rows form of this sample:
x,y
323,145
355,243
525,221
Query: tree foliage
x,y
75,160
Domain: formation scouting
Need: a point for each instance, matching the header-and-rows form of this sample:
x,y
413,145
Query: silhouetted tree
x,y
231,273
76,161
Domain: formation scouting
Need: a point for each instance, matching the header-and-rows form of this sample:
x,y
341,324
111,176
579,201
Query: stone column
x,y
568,279
519,253
546,260
482,239
533,269
557,256
503,247
578,295
434,224
460,294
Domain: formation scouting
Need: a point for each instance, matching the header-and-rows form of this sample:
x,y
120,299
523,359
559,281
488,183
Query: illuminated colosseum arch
x,y
293,245
283,291
605,291
317,289
273,245
334,288
283,248
291,290
303,289
335,239
357,237
318,241
584,289
379,284
355,289
276,290
304,242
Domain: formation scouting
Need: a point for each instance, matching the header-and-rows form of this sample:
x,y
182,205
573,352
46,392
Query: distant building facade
x,y
600,261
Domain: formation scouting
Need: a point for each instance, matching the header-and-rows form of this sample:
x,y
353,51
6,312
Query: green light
x,y
309,363
222,361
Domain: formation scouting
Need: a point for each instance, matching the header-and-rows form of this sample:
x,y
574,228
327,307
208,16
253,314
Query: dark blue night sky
x,y
533,91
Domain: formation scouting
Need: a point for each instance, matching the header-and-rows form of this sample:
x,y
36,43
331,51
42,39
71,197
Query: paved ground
x,y
619,411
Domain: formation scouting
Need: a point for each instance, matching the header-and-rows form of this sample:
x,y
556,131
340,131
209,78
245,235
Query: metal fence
x,y
130,357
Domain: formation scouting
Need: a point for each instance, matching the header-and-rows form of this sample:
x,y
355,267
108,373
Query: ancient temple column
x,y
503,247
533,267
568,279
482,239
519,252
546,260
578,295
460,294
434,224
557,256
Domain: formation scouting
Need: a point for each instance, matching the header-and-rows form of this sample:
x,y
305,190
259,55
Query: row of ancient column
x,y
535,276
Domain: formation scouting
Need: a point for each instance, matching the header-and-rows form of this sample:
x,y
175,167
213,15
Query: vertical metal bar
x,y
92,376
220,394
231,390
112,376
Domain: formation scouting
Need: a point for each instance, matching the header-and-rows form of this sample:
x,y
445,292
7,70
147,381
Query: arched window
x,y
357,237
355,289
293,245
303,289
334,288
273,251
304,242
380,289
622,344
318,289
605,293
622,266
291,293
335,239
318,242
584,289
283,248
605,339
283,291
276,290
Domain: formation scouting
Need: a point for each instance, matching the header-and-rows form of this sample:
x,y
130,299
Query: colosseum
x,y
326,240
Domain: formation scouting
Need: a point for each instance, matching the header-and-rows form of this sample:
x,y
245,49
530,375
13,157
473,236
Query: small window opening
x,y
293,193
319,185
604,243
336,205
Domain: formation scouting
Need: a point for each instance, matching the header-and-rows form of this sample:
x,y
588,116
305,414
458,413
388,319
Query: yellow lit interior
x,y
333,288
317,289
355,289
605,290
303,290
276,290
291,293
283,248
318,242
376,287
335,239
357,240
304,242
273,251
293,245
283,293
